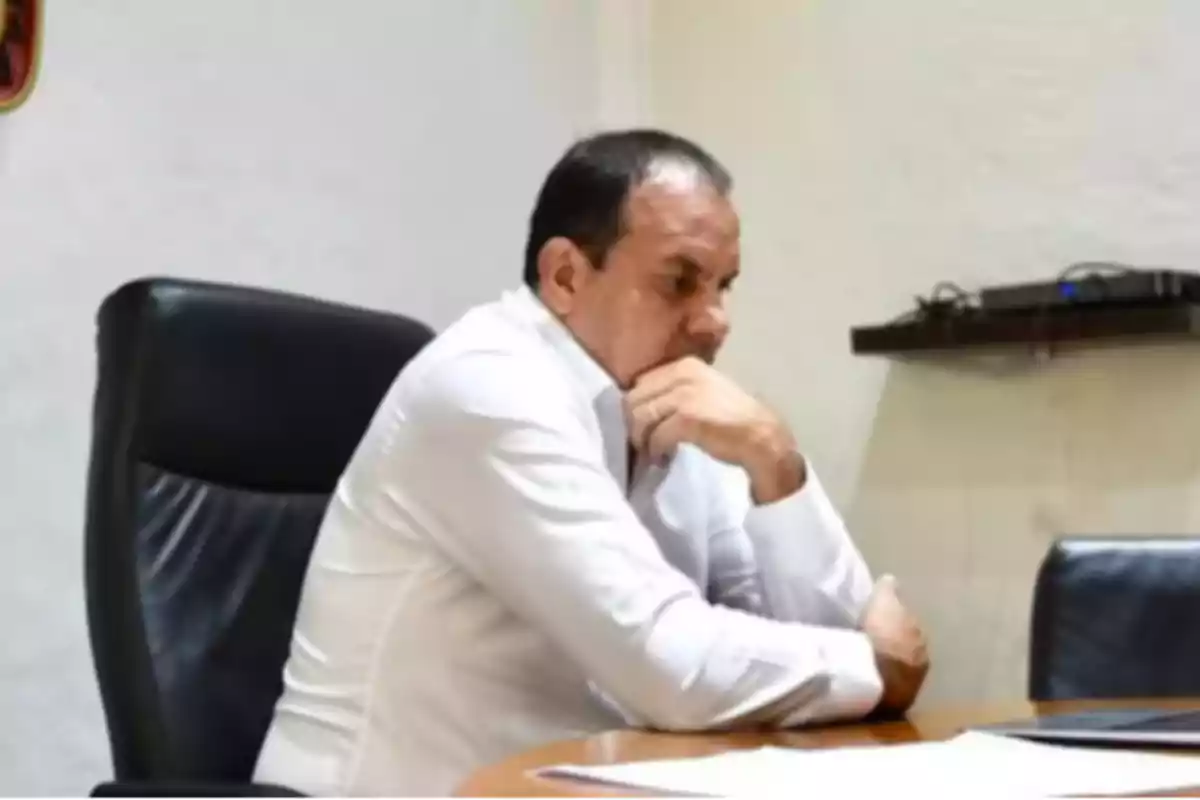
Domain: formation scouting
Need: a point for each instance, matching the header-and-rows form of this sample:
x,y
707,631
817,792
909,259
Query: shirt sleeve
x,y
523,501
792,560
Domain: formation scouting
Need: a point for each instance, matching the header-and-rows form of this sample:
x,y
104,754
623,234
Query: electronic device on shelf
x,y
1087,301
1121,288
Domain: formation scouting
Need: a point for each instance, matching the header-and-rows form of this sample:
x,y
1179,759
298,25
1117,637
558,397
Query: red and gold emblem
x,y
20,45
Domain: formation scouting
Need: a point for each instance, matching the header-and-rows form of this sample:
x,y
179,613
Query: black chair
x,y
1117,617
223,418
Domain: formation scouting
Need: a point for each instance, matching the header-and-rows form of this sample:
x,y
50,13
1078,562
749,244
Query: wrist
x,y
775,468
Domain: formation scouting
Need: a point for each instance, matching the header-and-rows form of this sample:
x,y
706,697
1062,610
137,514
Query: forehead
x,y
676,205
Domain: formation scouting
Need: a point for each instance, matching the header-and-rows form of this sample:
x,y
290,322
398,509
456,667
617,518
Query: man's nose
x,y
710,323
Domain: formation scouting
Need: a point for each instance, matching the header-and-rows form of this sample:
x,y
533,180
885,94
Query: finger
x,y
641,420
656,383
646,415
652,391
887,583
665,436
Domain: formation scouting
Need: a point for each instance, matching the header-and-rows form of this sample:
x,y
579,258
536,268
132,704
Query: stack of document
x,y
969,765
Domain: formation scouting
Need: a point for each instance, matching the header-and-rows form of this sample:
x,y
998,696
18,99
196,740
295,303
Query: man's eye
x,y
685,285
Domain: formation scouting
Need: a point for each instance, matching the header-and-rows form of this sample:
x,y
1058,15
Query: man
x,y
563,519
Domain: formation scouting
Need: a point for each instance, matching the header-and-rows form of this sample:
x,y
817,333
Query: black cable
x,y
1095,269
938,305
959,294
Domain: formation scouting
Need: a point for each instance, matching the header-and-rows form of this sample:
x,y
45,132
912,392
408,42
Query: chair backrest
x,y
1117,617
223,418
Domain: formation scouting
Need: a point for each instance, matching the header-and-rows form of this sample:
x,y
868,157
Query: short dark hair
x,y
583,197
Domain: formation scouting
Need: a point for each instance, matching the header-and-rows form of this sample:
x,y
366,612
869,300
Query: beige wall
x,y
881,146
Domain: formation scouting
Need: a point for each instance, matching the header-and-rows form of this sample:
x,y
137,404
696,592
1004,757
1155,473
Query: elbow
x,y
701,708
692,710
664,710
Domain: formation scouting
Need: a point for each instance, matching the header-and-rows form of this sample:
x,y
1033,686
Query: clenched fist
x,y
899,644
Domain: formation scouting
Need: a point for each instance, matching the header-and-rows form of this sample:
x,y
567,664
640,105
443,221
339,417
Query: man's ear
x,y
563,271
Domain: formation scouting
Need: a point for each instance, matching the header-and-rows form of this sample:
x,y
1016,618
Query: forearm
x,y
809,568
718,668
771,461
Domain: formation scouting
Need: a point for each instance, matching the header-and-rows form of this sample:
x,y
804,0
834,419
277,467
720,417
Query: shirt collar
x,y
589,375
597,386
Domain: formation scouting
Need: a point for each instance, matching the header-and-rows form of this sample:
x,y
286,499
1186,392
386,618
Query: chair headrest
x,y
1111,618
247,387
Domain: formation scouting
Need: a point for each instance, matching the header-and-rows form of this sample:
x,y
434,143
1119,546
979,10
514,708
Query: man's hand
x,y
690,401
899,644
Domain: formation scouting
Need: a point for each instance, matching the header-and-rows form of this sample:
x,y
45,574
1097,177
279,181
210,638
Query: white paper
x,y
969,765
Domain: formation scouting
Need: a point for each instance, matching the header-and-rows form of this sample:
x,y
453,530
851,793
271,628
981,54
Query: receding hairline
x,y
675,174
676,170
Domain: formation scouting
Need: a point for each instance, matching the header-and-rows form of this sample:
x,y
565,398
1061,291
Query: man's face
x,y
660,295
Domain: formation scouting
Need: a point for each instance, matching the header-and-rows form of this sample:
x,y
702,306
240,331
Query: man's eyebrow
x,y
692,269
686,263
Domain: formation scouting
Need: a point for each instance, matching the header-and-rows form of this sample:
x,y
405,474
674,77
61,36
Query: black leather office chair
x,y
223,418
1117,617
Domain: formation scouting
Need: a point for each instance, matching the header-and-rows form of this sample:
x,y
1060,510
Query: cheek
x,y
649,336
649,320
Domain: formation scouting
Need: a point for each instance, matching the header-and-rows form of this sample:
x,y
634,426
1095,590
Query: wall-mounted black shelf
x,y
972,328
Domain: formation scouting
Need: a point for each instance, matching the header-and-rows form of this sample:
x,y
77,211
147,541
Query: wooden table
x,y
513,778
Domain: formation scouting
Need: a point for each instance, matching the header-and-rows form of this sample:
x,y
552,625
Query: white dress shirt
x,y
487,579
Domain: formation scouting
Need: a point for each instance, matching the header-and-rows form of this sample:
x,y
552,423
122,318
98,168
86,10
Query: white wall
x,y
383,152
879,147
